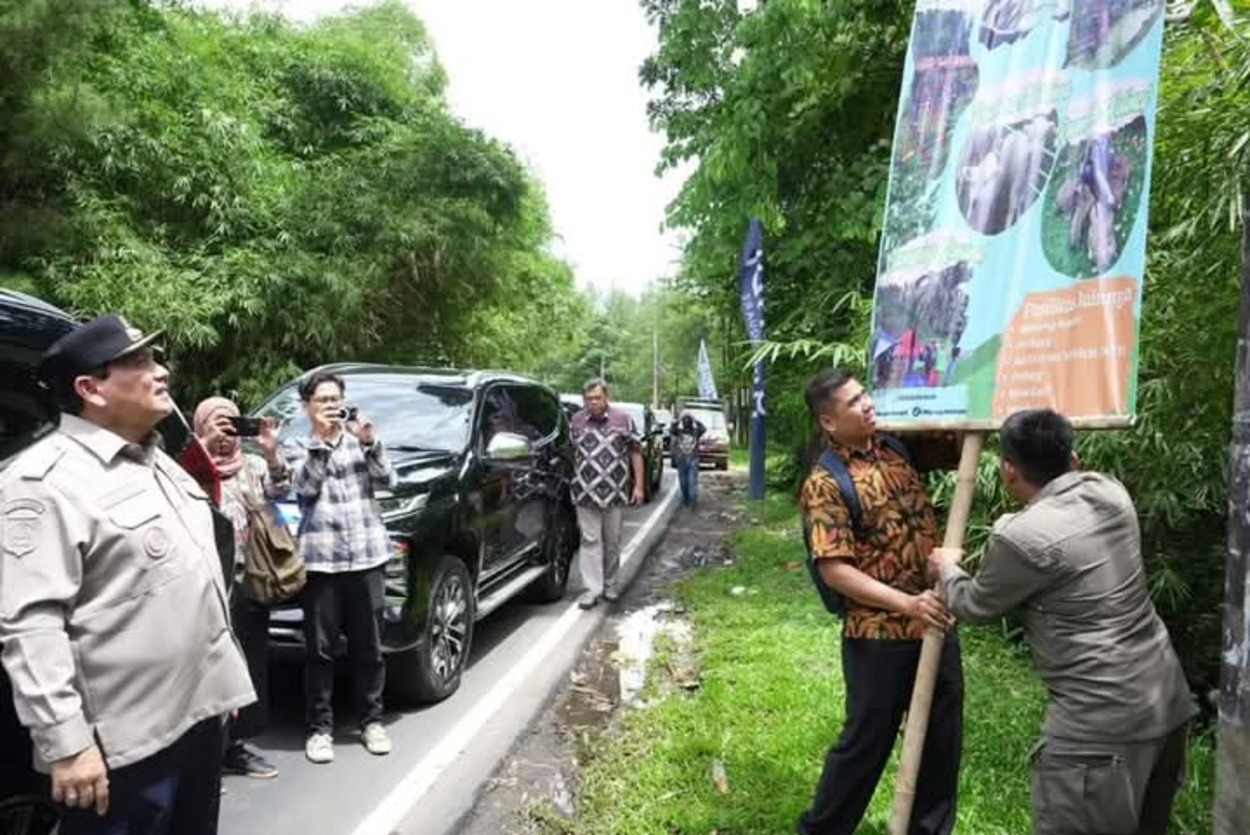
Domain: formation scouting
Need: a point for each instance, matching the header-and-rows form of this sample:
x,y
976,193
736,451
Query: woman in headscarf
x,y
244,477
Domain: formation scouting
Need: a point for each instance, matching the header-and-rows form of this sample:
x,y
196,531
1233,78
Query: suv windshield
x,y
407,412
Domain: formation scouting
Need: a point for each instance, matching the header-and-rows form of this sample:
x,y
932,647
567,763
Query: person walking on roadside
x,y
245,479
114,618
338,468
685,435
878,563
609,456
1112,753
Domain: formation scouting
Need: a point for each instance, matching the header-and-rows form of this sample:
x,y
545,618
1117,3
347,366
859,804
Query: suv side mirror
x,y
508,446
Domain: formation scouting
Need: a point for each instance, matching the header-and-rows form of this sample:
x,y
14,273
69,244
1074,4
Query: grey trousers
x,y
600,553
1102,788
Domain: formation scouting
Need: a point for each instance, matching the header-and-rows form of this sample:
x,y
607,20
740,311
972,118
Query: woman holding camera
x,y
245,479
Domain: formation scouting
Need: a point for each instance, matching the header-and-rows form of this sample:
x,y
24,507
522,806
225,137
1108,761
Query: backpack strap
x,y
831,463
895,443
834,601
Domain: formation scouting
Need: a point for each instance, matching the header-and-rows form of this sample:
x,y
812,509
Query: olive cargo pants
x,y
1106,788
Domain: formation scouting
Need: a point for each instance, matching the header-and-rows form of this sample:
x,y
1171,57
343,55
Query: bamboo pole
x,y
931,647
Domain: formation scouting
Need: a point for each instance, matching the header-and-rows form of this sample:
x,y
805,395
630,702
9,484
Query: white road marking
x,y
394,807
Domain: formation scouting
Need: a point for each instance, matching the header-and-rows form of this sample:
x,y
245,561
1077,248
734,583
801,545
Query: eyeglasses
x,y
330,400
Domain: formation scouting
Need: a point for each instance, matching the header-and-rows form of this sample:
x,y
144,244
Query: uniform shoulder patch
x,y
19,527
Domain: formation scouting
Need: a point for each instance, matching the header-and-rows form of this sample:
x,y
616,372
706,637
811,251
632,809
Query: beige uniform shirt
x,y
1070,564
113,614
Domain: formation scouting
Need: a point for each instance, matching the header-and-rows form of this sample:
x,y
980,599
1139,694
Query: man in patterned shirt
x,y
345,547
880,566
608,456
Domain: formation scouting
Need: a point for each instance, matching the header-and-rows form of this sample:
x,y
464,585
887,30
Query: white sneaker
x,y
375,739
319,748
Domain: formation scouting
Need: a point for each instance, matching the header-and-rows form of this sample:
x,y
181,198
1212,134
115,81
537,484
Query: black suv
x,y
27,327
479,511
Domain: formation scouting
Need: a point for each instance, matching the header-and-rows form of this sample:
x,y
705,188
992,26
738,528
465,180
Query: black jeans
x,y
251,627
176,791
350,602
879,677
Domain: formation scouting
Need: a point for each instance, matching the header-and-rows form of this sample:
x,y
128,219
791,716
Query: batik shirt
x,y
604,445
898,531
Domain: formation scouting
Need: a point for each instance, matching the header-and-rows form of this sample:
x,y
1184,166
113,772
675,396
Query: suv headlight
x,y
392,505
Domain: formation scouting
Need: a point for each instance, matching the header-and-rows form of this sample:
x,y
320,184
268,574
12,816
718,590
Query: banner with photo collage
x,y
1010,273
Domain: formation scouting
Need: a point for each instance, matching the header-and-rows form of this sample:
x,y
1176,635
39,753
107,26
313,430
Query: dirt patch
x,y
535,790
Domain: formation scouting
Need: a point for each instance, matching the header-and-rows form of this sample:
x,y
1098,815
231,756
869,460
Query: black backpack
x,y
835,602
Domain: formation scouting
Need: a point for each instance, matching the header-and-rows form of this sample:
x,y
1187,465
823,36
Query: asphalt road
x,y
444,753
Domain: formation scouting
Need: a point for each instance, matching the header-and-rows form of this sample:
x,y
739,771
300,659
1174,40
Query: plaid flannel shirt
x,y
340,528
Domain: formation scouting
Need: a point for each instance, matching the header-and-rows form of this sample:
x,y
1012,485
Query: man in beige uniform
x,y
1113,743
113,610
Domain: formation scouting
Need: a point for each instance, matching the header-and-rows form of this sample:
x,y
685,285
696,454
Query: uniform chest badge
x,y
155,543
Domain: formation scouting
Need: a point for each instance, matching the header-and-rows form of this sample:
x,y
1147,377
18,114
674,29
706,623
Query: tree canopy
x,y
272,196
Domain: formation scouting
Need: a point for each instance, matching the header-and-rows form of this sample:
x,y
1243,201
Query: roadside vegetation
x,y
786,112
741,754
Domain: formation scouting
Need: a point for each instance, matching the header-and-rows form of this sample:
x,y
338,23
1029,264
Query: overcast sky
x,y
558,80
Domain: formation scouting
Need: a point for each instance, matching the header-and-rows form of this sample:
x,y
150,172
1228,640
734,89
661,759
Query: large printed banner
x,y
1011,262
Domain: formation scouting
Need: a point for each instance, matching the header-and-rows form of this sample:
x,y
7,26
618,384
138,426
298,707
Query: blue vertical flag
x,y
707,385
751,290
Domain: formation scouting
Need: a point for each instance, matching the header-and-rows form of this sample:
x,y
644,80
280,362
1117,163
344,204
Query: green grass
x,y
772,702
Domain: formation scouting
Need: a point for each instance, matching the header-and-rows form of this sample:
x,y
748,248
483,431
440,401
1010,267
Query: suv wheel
x,y
561,545
431,671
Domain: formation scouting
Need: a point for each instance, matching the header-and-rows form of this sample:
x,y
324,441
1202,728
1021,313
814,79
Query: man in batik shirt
x,y
879,564
608,476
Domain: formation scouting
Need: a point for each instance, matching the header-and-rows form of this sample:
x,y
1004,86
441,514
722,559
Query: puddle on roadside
x,y
638,634
594,690
614,672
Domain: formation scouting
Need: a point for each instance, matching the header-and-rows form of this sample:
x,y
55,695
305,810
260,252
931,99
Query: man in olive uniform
x,y
1113,742
113,610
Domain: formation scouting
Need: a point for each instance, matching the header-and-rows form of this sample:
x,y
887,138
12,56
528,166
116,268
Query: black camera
x,y
346,414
